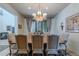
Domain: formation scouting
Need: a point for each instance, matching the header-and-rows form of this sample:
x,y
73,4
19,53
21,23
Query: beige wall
x,y
73,43
19,18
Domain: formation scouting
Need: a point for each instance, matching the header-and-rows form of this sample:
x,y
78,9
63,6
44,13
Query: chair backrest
x,y
63,37
37,42
53,41
11,37
21,41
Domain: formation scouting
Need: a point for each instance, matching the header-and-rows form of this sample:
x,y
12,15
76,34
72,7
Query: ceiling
x,y
52,9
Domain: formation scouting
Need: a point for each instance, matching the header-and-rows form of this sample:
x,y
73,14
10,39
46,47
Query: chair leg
x,y
65,49
10,50
17,52
45,53
30,53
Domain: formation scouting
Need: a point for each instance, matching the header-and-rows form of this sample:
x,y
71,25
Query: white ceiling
x,y
53,8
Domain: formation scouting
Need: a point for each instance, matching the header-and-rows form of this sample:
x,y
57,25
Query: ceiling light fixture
x,y
39,16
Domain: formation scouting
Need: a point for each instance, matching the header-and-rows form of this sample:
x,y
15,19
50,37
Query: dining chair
x,y
63,43
22,45
52,45
37,44
12,43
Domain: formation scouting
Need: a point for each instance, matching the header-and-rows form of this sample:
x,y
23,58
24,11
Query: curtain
x,y
45,26
49,21
29,23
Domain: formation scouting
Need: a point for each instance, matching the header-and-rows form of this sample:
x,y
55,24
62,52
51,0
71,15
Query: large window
x,y
7,21
39,26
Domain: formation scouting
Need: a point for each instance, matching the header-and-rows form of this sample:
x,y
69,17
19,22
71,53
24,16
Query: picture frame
x,y
19,26
72,23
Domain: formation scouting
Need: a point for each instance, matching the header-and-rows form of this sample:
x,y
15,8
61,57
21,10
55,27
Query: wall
x,y
61,17
24,26
19,17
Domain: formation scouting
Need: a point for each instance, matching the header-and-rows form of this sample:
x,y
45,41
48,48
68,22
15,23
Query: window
x,y
39,26
7,21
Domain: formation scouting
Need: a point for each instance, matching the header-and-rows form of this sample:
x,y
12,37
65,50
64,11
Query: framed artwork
x,y
72,23
19,26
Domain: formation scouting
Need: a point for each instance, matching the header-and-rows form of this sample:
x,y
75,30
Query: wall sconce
x,y
62,26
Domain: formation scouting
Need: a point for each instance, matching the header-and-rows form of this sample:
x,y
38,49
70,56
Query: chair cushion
x,y
38,51
52,52
13,46
22,52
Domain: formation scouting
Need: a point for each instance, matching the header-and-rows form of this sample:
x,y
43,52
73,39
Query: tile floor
x,y
6,51
4,42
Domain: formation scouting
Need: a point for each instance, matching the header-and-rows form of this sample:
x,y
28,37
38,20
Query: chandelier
x,y
39,15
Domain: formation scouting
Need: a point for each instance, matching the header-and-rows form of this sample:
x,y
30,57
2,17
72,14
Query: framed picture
x,y
72,23
19,26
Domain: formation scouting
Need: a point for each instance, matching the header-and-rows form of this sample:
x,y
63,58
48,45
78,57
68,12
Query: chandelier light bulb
x,y
44,14
34,14
39,12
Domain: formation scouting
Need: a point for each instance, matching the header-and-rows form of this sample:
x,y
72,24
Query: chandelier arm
x,y
39,16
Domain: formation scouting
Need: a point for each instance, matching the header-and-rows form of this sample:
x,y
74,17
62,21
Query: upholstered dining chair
x,y
63,43
12,43
37,44
22,45
52,45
